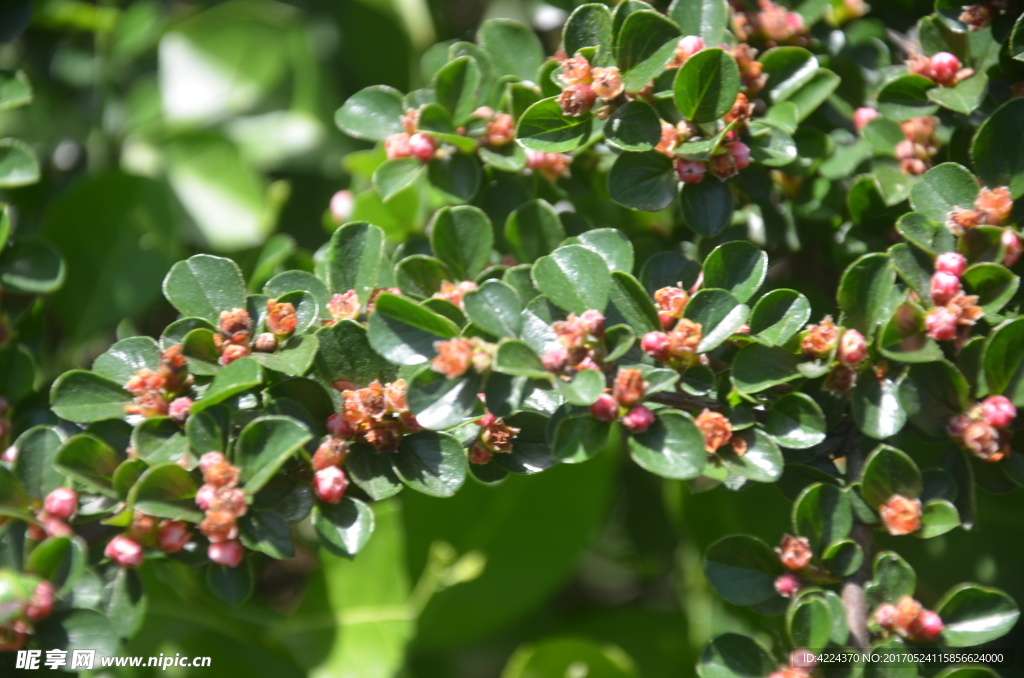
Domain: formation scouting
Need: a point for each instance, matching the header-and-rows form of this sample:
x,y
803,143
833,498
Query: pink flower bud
x,y
205,497
690,171
951,262
9,455
179,409
556,360
339,426
41,603
593,321
638,419
885,615
486,420
479,454
998,411
575,100
55,527
945,66
740,154
606,408
61,503
329,484
862,116
332,452
226,553
901,515
265,342
124,551
210,459
688,46
941,324
422,146
1011,246
397,146
788,585
173,536
926,627
341,206
667,321
852,348
945,286
656,345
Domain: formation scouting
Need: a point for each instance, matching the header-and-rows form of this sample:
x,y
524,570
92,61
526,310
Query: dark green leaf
x,y
31,266
166,491
742,570
457,88
544,127
629,303
203,286
345,354
394,176
906,97
514,47
796,421
707,207
942,188
822,514
643,46
462,238
809,622
241,375
264,445
1004,361
159,440
533,230
737,267
345,527
633,127
88,460
778,316
865,293
517,358
905,337
998,149
404,332
931,394
431,463
589,25
888,472
706,86
37,448
758,367
441,403
931,236
719,315
573,277
643,181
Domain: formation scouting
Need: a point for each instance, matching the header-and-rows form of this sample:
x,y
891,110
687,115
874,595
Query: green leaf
x,y
888,472
809,622
495,308
176,332
345,527
672,447
126,601
533,230
613,246
15,90
906,97
707,207
88,460
618,339
931,236
59,560
579,438
404,332
1004,361
166,491
905,337
589,25
778,316
345,354
518,359
264,445
462,238
762,462
431,463
31,266
942,188
566,656
932,393
630,303
86,396
770,145
757,367
994,285
544,127
159,440
669,269
737,267
964,97
732,655
441,403
998,150
456,174
893,578
203,286
842,558
876,407
514,47
71,630
914,267
126,475
706,86
394,176
294,281
643,181
457,88
18,164
705,18
975,614
742,570
633,127
814,93
293,358
796,421
200,347
719,315
573,277
373,113
17,372
233,585
37,448
788,69
371,471
240,375
822,514
865,293
938,517
420,276
643,46
125,358
584,388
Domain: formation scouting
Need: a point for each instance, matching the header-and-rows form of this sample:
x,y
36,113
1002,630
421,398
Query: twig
x,y
853,587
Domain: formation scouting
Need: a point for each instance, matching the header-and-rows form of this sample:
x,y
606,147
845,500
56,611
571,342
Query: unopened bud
x,y
944,287
607,82
332,452
656,345
265,343
690,171
61,503
788,585
953,263
901,515
885,615
687,47
422,146
593,321
794,552
226,553
576,70
124,552
339,426
397,146
927,627
941,324
329,484
341,206
998,411
638,419
1012,247
41,603
740,154
944,67
556,360
173,536
178,409
862,116
605,408
852,348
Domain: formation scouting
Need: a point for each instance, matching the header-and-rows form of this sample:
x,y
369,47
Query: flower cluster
x,y
943,68
377,415
581,344
919,144
583,86
454,292
235,327
623,403
55,515
795,555
908,619
456,356
982,430
772,23
553,166
157,393
224,503
24,599
410,143
495,437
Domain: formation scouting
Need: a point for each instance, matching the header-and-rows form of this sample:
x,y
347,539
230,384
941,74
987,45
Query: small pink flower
x,y
656,345
926,627
9,455
593,321
788,585
862,116
941,324
339,426
173,536
690,171
210,459
575,100
329,484
638,419
422,147
953,263
205,497
944,67
852,348
41,603
397,146
998,411
179,409
606,408
55,527
341,206
944,287
740,154
226,553
1012,247
885,615
124,551
556,360
61,503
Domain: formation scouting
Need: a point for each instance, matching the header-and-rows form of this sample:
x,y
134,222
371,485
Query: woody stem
x,y
854,602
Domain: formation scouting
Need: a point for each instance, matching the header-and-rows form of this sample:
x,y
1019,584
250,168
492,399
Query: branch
x,y
853,587
685,401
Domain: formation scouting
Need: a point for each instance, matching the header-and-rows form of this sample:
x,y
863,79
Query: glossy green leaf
x,y
809,622
998,150
762,462
15,90
994,285
462,238
706,86
707,207
893,578
1004,361
584,388
938,517
495,307
394,176
517,358
778,316
742,570
705,18
757,367
732,655
931,394
573,277
964,97
737,267
37,448
888,472
514,47
975,614
877,408
931,236
865,293
345,354
431,463
18,164
404,332
906,97
643,181
589,25
345,527
373,113
942,188
633,127
796,421
544,127
203,286
533,230
158,440
31,266
84,396
457,88
643,46
241,375
440,403
719,314
905,337
822,514
166,491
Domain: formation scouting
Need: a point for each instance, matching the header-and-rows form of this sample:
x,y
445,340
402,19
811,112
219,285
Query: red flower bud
x,y
479,454
885,615
226,553
951,262
1011,246
341,206
41,603
941,324
332,452
265,343
422,147
944,287
862,116
944,68
486,420
667,321
740,154
173,536
329,484
687,47
339,426
55,527
638,419
204,497
593,321
124,552
656,345
788,585
852,348
61,503
605,408
690,171
998,411
926,627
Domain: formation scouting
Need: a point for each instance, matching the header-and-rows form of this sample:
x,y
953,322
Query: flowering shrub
x,y
515,337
